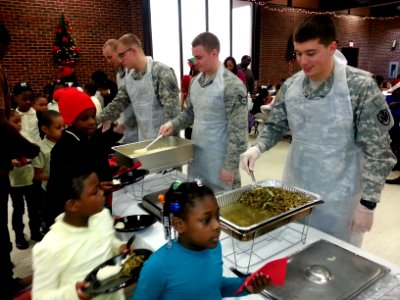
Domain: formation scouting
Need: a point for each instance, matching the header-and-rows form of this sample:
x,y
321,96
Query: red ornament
x,y
58,30
56,48
77,49
65,39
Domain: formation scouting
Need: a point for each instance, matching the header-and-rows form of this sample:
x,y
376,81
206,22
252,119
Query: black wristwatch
x,y
368,204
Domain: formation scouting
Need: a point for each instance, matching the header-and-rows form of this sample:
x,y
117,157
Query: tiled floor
x,y
383,240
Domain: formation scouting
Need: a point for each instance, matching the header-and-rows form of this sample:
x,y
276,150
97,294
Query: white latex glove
x,y
166,129
248,158
362,219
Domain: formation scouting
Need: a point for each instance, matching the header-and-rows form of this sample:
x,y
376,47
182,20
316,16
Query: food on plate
x,y
107,272
119,225
261,203
145,151
130,263
116,182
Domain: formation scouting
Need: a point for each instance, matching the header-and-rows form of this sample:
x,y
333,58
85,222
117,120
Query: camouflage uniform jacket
x,y
165,88
371,118
235,99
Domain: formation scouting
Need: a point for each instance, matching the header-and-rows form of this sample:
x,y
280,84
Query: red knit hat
x,y
71,103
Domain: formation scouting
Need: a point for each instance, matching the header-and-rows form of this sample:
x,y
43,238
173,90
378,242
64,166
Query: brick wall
x,y
32,24
373,37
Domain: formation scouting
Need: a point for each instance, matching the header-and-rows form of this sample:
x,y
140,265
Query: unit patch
x,y
242,99
384,117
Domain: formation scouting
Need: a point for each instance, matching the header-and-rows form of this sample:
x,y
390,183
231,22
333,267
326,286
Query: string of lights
x,y
274,8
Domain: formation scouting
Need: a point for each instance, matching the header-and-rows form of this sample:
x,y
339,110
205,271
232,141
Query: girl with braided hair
x,y
189,265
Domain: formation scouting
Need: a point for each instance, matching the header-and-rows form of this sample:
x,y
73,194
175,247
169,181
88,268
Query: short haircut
x,y
208,40
316,27
76,186
130,40
40,96
46,118
91,88
112,43
5,37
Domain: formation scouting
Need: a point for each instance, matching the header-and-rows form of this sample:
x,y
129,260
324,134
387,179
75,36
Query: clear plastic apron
x,y
323,157
209,131
147,109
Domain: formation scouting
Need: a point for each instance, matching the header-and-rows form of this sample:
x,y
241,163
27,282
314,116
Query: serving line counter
x,y
387,287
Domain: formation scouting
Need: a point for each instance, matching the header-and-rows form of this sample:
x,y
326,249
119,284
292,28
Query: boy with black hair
x,y
82,238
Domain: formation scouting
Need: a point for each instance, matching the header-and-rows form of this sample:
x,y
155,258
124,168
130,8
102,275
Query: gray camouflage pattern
x,y
165,88
235,99
372,121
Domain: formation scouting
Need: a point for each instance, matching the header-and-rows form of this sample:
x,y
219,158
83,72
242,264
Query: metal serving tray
x,y
250,232
327,271
154,162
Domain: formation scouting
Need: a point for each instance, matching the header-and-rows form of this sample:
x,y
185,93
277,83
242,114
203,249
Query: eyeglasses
x,y
122,54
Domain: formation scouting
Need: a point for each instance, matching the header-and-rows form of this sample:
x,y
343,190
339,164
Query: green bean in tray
x,y
275,200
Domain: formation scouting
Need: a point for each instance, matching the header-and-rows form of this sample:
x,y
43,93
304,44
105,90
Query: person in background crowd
x,y
81,148
67,76
40,105
394,132
191,210
51,124
22,188
185,85
127,121
230,64
244,66
50,89
91,89
217,108
82,238
151,89
16,146
24,97
339,122
106,88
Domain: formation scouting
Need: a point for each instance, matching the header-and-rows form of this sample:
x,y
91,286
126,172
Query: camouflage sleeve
x,y
372,121
113,110
235,99
166,89
276,125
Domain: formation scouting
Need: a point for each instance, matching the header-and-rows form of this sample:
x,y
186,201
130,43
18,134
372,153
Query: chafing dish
x,y
327,271
178,152
250,232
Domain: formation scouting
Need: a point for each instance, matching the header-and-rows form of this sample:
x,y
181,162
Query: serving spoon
x,y
152,143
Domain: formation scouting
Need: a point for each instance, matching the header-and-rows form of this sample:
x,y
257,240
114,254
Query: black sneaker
x,y
21,242
393,181
37,236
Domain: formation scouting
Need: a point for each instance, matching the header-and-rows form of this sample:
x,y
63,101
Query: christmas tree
x,y
64,50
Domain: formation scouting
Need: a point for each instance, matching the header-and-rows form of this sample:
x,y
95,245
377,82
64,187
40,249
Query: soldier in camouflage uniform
x,y
127,122
217,107
151,89
339,121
